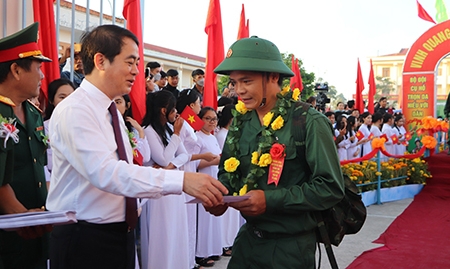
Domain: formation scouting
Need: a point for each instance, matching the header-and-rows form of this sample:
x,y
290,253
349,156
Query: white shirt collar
x,y
100,97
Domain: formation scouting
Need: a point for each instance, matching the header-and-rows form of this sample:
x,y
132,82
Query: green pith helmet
x,y
253,54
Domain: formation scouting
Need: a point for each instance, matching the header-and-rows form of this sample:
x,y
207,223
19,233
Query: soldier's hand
x,y
253,206
217,210
204,187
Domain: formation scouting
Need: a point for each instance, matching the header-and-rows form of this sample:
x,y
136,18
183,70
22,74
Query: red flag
x,y
44,14
137,157
132,13
243,31
372,90
296,80
215,52
408,136
394,139
385,137
359,135
371,136
423,14
193,119
359,104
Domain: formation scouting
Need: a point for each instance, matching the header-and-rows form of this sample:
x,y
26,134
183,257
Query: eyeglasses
x,y
210,119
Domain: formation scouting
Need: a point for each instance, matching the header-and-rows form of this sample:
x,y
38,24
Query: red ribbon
x,y
374,152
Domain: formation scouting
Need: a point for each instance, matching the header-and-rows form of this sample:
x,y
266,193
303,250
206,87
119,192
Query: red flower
x,y
10,127
277,151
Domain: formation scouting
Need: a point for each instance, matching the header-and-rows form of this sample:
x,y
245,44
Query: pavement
x,y
379,217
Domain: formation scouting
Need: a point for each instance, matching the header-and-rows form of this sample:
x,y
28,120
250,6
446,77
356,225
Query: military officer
x,y
20,80
284,185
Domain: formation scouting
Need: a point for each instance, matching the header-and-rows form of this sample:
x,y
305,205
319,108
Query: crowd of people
x,y
354,132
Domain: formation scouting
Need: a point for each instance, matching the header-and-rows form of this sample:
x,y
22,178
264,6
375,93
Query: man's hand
x,y
217,210
253,206
208,156
33,232
204,187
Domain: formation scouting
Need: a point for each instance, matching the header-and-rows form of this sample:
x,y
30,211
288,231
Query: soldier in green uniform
x,y
284,186
20,80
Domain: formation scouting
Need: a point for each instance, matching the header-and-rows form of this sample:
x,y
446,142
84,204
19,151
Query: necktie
x,y
131,216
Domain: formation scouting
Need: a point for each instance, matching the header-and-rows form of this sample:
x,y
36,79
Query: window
x,y
386,72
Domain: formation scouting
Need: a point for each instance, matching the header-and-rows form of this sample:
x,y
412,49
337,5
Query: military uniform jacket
x,y
307,183
29,160
6,153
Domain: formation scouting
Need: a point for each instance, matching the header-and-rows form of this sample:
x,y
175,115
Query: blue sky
x,y
328,35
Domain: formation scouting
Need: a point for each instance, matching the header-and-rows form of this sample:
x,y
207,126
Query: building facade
x,y
391,66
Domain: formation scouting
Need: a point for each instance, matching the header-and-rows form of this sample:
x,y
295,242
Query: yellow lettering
x,y
427,47
417,114
410,105
437,40
413,96
423,105
442,36
418,59
425,96
447,33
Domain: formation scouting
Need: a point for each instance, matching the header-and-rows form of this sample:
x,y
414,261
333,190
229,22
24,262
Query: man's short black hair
x,y
163,74
197,72
104,39
350,103
153,65
172,73
383,98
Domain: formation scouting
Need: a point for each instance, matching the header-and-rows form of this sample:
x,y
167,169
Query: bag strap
x,y
299,133
326,240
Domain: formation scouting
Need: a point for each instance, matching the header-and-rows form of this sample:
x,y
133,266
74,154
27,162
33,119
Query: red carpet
x,y
420,236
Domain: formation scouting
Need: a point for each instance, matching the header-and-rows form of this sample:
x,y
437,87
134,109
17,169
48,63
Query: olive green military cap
x,y
22,44
253,54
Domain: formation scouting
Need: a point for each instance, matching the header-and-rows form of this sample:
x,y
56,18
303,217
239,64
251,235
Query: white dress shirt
x,y
87,175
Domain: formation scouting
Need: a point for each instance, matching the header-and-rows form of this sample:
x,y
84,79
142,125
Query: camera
x,y
321,99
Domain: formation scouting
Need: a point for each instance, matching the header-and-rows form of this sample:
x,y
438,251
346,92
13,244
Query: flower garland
x,y
8,130
267,148
133,142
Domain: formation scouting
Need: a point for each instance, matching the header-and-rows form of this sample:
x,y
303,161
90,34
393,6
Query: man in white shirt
x,y
88,176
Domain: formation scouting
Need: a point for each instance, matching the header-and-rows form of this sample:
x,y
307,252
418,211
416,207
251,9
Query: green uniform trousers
x,y
255,249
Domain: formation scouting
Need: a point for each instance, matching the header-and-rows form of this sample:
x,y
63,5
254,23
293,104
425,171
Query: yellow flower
x,y
295,94
231,164
378,173
277,123
267,118
413,169
265,160
416,160
285,90
255,156
235,193
240,107
243,190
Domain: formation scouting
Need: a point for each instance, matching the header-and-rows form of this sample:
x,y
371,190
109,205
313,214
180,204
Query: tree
x,y
384,87
307,78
